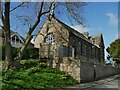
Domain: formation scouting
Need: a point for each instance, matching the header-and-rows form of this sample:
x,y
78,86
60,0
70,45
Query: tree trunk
x,y
29,34
8,48
20,53
8,56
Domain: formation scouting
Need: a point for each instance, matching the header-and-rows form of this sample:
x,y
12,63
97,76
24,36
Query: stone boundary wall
x,y
91,72
105,71
69,65
84,71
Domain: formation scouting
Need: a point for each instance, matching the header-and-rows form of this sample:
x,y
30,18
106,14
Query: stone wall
x,y
69,65
91,72
104,71
86,72
83,71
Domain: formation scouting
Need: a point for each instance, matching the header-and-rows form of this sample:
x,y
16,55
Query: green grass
x,y
35,76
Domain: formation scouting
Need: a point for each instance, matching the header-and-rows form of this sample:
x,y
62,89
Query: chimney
x,y
86,34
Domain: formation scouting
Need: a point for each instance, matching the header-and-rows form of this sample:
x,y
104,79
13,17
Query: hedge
x,y
28,53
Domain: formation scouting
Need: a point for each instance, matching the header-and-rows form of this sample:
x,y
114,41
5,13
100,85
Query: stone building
x,y
64,47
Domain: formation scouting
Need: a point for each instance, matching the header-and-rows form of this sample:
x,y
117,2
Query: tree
x,y
43,9
114,51
6,28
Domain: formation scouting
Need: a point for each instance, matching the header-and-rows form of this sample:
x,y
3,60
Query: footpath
x,y
110,83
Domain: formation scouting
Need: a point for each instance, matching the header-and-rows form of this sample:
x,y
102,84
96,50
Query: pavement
x,y
110,83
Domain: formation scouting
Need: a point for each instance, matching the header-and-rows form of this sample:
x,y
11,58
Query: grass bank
x,y
35,75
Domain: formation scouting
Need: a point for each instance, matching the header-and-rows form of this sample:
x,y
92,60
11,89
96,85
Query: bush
x,y
28,53
31,53
36,77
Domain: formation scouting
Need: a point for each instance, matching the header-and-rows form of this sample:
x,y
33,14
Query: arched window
x,y
49,38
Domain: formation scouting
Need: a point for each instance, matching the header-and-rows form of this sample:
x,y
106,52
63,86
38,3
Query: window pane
x,y
49,39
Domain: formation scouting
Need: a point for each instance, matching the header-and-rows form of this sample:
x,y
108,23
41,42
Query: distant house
x,y
62,40
16,40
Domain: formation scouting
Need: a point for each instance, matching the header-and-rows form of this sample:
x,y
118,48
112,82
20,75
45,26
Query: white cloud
x,y
113,20
80,28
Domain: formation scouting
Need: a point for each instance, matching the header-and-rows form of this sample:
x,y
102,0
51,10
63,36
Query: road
x,y
110,83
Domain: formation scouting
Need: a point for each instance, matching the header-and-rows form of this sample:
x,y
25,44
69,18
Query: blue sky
x,y
101,17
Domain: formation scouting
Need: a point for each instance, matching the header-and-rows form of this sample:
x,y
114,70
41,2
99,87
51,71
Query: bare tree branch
x,y
45,12
38,19
50,8
17,6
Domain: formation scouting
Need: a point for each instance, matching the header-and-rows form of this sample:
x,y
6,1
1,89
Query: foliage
x,y
114,50
36,76
29,52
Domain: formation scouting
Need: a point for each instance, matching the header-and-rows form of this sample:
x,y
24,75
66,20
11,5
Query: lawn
x,y
35,75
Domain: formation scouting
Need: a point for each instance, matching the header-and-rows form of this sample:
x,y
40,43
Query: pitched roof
x,y
2,32
85,36
70,29
97,39
12,33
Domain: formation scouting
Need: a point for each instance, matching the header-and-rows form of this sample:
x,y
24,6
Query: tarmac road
x,y
110,83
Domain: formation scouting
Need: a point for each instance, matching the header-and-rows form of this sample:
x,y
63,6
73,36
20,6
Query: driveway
x,y
110,83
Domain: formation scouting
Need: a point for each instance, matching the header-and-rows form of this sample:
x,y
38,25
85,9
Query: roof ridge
x,y
74,31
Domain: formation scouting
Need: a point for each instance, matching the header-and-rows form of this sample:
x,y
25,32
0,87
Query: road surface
x,y
110,83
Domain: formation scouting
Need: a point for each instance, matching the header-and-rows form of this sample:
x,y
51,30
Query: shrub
x,y
35,78
14,51
31,53
30,63
28,53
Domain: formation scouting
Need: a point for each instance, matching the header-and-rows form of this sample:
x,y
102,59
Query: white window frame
x,y
49,39
80,47
73,52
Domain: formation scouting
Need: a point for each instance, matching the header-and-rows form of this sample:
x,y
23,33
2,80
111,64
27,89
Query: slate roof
x,y
98,39
72,30
12,33
85,36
